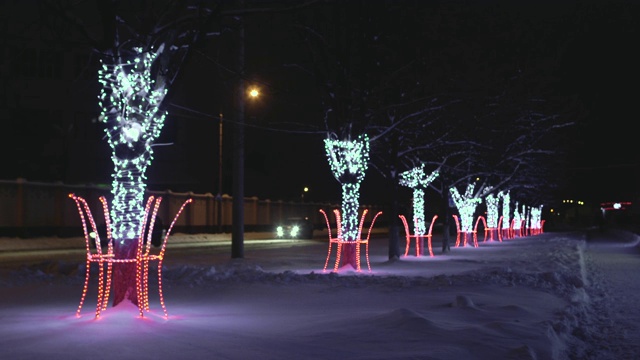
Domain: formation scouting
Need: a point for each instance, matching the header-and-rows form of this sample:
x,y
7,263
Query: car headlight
x,y
294,230
280,231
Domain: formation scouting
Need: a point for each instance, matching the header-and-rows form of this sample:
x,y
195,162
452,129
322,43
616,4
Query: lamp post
x,y
220,158
253,93
219,197
237,226
304,190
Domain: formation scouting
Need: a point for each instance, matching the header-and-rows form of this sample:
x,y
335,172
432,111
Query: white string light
x,y
517,217
493,203
349,160
506,199
418,181
130,108
466,205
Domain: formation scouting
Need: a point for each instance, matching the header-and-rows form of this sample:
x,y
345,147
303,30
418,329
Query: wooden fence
x,y
31,209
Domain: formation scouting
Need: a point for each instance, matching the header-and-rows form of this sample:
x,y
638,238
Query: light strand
x,y
466,205
418,181
129,100
348,161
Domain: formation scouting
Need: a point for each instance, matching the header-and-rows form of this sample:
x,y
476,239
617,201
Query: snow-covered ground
x,y
564,295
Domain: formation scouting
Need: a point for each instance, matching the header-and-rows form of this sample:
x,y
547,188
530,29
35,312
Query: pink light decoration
x,y
419,238
93,257
475,230
517,227
339,240
364,214
142,267
360,242
336,213
464,234
143,256
455,217
332,240
146,257
500,229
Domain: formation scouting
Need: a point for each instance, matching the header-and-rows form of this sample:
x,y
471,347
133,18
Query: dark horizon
x,y
586,46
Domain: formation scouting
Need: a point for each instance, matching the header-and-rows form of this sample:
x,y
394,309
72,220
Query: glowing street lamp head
x,y
254,93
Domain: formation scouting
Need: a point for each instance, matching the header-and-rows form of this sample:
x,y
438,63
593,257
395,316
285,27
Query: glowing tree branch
x,y
348,161
466,205
130,100
416,180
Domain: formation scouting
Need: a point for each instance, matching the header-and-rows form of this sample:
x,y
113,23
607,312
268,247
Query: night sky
x,y
587,48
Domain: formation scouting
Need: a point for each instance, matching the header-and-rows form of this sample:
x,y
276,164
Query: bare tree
x,y
422,101
142,49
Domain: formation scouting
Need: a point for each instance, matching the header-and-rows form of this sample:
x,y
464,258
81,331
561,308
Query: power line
x,y
256,126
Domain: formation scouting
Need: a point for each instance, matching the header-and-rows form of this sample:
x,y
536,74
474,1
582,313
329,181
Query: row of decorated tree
x,y
384,105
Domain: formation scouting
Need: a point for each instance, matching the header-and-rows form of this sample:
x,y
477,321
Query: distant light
x,y
254,93
294,230
620,205
306,189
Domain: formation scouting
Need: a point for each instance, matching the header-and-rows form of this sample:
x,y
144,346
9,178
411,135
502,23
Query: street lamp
x,y
304,190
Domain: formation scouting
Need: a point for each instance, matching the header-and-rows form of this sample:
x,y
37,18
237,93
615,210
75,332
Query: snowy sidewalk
x,y
612,265
550,296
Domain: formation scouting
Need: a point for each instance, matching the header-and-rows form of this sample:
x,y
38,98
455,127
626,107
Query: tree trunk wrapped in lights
x,y
536,220
506,214
493,202
466,205
130,100
516,222
348,160
418,181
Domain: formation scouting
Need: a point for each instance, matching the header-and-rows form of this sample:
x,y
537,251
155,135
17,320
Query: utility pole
x,y
237,232
219,197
